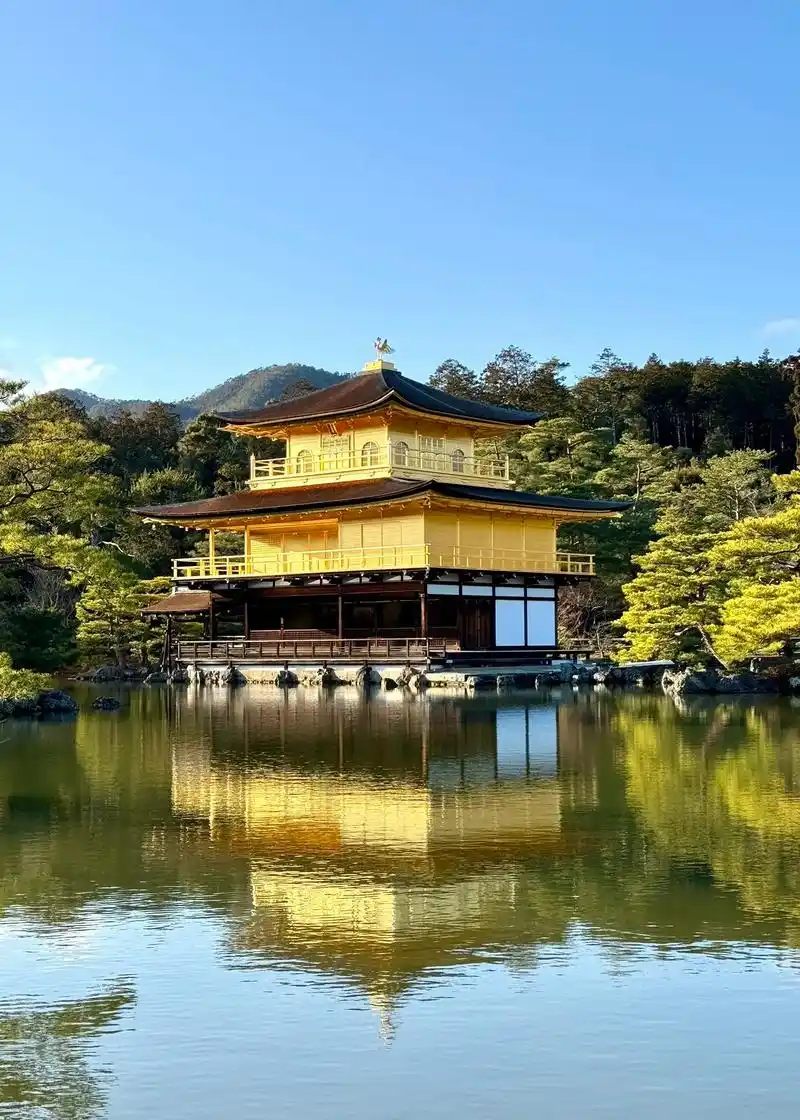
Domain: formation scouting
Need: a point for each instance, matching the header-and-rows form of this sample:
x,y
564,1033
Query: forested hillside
x,y
705,566
248,390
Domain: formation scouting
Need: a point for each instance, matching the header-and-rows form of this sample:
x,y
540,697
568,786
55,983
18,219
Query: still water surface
x,y
258,904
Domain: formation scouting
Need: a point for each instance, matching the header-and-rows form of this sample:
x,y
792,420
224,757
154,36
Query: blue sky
x,y
191,189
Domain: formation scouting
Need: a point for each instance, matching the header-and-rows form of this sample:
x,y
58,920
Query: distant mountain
x,y
248,390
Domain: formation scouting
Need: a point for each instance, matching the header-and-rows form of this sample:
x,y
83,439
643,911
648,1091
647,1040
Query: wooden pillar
x,y
340,615
423,614
246,618
211,619
211,551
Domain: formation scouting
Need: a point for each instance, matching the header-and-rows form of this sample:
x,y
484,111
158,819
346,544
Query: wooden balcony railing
x,y
379,458
329,649
382,558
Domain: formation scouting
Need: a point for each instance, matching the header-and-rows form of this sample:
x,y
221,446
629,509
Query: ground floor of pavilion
x,y
410,615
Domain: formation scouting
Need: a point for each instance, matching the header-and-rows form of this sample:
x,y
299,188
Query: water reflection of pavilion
x,y
383,839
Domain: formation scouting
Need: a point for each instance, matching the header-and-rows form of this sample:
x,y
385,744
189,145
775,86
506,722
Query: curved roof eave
x,y
332,496
368,392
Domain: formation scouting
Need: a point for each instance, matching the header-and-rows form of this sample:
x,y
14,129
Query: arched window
x,y
370,454
305,462
458,461
400,453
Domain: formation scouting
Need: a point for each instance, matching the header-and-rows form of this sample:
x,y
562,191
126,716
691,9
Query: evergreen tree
x,y
675,602
454,377
643,474
608,396
110,625
558,457
760,557
139,442
516,380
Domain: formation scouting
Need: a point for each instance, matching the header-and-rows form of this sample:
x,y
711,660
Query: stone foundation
x,y
386,676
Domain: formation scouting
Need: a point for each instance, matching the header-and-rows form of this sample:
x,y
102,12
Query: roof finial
x,y
382,348
382,351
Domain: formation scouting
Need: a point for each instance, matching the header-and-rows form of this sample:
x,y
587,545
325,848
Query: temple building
x,y
387,528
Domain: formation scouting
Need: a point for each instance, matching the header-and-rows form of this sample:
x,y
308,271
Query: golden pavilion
x,y
384,530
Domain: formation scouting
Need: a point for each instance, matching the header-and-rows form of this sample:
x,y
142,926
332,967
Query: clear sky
x,y
192,188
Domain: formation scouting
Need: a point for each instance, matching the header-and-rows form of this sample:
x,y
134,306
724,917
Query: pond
x,y
320,905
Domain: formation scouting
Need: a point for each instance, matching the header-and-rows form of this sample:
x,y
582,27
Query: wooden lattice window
x,y
335,452
432,452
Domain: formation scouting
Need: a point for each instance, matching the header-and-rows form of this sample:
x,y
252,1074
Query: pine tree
x,y
558,457
676,601
456,378
761,559
516,380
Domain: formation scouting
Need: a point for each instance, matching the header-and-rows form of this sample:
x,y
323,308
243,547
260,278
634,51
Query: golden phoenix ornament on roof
x,y
382,347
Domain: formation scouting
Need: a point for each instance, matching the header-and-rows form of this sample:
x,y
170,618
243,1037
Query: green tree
x,y
633,470
675,602
151,548
139,442
110,624
608,397
456,378
760,557
515,379
218,460
558,457
204,448
50,479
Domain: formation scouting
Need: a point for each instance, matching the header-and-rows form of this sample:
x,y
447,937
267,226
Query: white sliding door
x,y
509,622
541,622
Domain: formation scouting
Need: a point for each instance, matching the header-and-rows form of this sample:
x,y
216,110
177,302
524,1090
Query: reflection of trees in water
x,y
85,807
660,811
718,786
44,1052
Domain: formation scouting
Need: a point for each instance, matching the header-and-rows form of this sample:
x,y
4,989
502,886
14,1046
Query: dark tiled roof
x,y
368,391
336,496
523,498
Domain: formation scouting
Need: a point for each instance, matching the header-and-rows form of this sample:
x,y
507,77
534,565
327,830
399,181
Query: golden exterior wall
x,y
490,532
447,532
415,534
389,529
395,429
265,543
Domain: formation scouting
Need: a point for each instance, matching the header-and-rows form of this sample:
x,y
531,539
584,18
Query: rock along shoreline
x,y
674,681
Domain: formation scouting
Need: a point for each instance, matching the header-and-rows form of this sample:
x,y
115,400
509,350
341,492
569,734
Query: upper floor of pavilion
x,y
380,424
